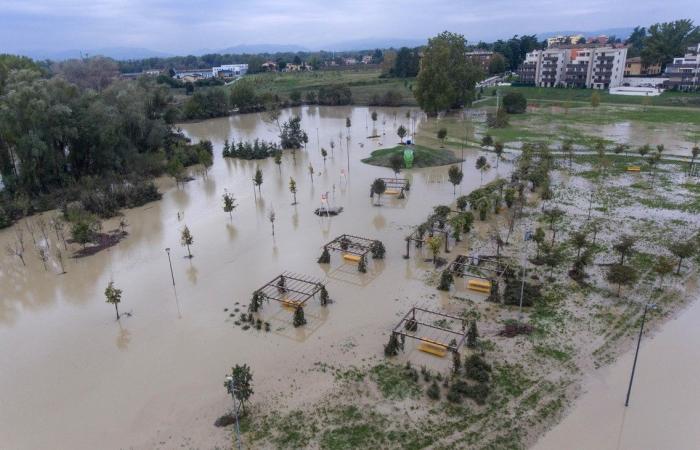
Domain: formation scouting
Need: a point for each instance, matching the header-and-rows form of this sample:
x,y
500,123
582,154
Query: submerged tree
x,y
325,257
401,132
323,296
292,135
362,265
271,217
293,190
186,240
442,134
256,302
396,162
393,346
258,178
378,188
498,150
455,176
229,204
446,280
624,247
113,296
299,319
482,166
472,335
434,244
377,249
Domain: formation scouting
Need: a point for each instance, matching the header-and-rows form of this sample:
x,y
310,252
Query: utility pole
x,y
167,250
636,353
231,388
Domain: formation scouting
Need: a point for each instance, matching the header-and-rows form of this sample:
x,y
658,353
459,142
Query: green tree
x,y
621,275
324,154
538,237
271,217
113,296
447,76
482,166
669,39
682,250
434,244
292,135
663,267
455,176
299,319
595,99
442,134
498,149
229,204
396,162
278,161
694,152
487,140
625,246
472,335
186,240
240,384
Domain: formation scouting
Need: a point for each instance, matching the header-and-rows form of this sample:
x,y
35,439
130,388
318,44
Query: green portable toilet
x,y
408,157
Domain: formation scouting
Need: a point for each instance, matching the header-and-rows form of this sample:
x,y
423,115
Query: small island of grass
x,y
422,156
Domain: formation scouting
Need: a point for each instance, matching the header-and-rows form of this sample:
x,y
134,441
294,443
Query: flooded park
x,y
156,375
73,374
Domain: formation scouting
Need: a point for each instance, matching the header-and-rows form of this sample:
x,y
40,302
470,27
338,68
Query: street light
x,y
647,307
167,250
527,237
230,385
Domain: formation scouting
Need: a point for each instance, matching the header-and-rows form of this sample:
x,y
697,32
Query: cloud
x,y
179,26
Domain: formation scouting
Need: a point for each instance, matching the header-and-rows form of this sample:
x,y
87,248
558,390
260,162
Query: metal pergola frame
x,y
413,237
397,183
296,290
460,337
357,245
464,265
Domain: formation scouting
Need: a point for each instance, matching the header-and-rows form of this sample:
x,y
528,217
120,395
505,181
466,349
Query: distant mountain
x,y
118,53
259,48
372,43
621,33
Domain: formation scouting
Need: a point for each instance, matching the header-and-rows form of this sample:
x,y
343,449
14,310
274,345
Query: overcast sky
x,y
178,26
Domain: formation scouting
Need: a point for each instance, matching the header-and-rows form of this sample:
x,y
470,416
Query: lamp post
x,y
528,236
647,307
231,388
167,250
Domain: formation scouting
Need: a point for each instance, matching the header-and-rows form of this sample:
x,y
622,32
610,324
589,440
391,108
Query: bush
x,y
498,120
334,95
511,295
433,391
477,369
514,103
390,98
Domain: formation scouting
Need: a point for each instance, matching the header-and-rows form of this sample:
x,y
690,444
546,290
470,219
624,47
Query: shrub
x,y
378,250
511,295
334,95
446,280
477,369
299,319
433,391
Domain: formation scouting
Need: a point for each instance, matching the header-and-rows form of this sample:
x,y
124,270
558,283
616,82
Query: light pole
x,y
528,236
231,388
167,250
636,353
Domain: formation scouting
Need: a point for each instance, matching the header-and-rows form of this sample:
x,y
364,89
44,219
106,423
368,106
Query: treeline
x,y
259,149
60,142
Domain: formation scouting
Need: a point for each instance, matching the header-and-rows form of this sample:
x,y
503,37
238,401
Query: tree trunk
x,y
619,286
188,252
116,308
678,270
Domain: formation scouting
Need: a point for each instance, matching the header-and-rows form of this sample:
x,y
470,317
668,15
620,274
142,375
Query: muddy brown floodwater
x,y
71,376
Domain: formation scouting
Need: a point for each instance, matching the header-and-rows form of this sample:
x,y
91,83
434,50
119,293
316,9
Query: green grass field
x,y
422,156
579,96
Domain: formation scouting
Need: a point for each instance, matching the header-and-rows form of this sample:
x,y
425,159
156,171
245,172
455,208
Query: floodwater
x,y
663,403
71,376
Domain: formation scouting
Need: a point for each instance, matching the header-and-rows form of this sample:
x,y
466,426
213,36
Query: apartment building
x,y
634,67
684,73
482,58
230,70
583,66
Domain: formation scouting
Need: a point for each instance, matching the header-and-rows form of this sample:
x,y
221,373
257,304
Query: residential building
x,y
269,66
482,58
230,70
587,65
684,72
634,67
297,67
349,61
560,40
367,59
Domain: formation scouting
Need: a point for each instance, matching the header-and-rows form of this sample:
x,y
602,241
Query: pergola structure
x,y
416,237
430,328
395,186
291,290
474,265
353,248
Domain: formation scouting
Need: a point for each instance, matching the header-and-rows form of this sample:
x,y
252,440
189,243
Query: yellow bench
x,y
634,169
392,192
351,257
294,304
479,285
433,347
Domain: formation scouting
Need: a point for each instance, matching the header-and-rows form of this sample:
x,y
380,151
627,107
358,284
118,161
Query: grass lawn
x,y
422,156
584,95
362,82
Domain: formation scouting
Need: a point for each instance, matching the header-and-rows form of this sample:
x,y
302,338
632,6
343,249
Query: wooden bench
x,y
293,304
634,169
478,285
392,192
433,347
352,258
